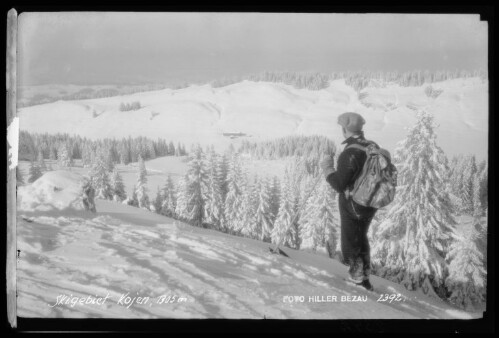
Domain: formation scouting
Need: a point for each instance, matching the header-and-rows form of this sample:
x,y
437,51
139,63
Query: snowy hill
x,y
98,265
262,111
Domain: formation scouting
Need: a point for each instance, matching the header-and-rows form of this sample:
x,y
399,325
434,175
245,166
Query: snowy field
x,y
124,262
263,111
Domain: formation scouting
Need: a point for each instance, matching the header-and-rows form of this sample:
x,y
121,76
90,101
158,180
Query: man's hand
x,y
327,165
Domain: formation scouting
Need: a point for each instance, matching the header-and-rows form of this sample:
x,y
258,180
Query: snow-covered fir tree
x,y
468,173
483,181
117,186
275,198
197,185
480,228
64,157
310,231
263,213
213,212
247,223
141,185
466,282
297,174
223,172
318,226
182,198
234,194
169,198
283,232
100,179
413,240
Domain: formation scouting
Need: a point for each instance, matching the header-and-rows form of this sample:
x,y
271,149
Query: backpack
x,y
375,186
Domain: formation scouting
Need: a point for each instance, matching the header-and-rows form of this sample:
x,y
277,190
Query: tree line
x,y
124,151
356,79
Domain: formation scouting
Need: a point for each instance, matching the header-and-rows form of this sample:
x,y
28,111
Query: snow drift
x,y
55,191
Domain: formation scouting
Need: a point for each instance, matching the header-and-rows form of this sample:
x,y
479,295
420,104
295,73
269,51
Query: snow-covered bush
x,y
54,191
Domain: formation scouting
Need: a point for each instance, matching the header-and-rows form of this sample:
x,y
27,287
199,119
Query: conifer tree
x,y
234,194
100,179
63,157
480,228
214,203
467,273
413,239
117,186
275,198
141,186
247,224
483,179
169,198
318,226
284,229
182,198
263,214
223,172
197,186
469,171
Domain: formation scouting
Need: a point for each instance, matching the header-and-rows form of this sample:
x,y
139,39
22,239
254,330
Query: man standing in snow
x,y
355,218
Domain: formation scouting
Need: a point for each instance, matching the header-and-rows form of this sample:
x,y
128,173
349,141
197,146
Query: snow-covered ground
x,y
124,262
127,252
200,114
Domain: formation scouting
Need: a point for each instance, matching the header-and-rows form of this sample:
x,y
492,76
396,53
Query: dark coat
x,y
349,167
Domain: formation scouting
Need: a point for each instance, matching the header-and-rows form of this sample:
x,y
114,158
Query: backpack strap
x,y
356,146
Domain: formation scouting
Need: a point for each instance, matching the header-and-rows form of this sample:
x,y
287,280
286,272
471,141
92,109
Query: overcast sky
x,y
104,48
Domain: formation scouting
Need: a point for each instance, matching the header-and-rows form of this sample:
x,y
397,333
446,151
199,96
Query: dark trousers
x,y
355,221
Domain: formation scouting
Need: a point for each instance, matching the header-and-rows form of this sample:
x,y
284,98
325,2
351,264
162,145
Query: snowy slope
x,y
269,110
127,252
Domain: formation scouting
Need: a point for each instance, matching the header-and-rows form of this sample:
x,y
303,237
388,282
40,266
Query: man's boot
x,y
367,284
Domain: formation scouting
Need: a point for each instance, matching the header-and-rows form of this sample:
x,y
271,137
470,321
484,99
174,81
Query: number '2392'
x,y
391,297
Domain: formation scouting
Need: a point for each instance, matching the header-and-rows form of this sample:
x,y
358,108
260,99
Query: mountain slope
x,y
268,110
127,252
